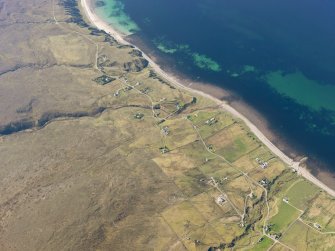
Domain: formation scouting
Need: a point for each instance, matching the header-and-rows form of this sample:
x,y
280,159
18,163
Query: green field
x,y
301,237
264,244
300,194
286,215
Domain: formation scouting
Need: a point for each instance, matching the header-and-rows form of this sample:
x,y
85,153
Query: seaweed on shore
x,y
100,3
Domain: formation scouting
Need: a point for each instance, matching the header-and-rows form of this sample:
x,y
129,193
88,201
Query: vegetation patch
x,y
301,237
285,216
71,8
321,211
190,225
205,62
232,142
301,193
207,207
192,182
104,79
263,244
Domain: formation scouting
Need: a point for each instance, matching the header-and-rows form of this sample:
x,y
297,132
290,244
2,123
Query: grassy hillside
x,y
98,152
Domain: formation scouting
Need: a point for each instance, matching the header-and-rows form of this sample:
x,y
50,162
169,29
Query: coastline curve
x,y
102,25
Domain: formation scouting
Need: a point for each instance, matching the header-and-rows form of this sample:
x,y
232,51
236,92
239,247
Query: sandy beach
x,y
100,24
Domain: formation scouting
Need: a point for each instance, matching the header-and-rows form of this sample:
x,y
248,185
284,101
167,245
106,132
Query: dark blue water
x,y
279,56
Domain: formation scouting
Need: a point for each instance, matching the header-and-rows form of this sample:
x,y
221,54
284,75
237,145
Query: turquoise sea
x,y
279,56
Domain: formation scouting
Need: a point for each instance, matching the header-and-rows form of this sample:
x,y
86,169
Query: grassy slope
x,y
97,180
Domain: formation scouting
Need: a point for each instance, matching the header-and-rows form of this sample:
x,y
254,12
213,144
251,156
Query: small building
x,y
165,130
212,182
264,165
220,199
264,182
104,79
145,90
211,121
138,115
164,150
211,148
316,225
197,242
221,181
275,236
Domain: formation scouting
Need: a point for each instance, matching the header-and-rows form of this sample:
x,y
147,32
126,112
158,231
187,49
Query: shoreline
x,y
102,25
231,98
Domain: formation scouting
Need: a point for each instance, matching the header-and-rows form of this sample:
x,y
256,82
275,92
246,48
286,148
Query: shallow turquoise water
x,y
113,12
303,90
